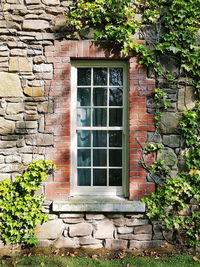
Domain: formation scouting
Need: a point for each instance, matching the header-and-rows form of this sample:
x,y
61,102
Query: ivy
x,y
20,208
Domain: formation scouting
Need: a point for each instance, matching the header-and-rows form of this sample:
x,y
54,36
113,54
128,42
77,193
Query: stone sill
x,y
97,204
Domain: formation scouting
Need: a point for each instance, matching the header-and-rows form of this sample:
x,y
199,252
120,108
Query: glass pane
x,y
83,116
116,76
115,138
84,157
115,115
99,117
99,177
99,157
99,138
115,97
115,157
115,177
84,177
84,76
100,96
83,97
100,76
83,138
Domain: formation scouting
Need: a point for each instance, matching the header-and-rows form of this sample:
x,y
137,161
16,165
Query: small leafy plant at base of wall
x,y
20,208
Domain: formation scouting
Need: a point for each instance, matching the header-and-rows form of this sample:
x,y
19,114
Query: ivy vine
x,y
169,29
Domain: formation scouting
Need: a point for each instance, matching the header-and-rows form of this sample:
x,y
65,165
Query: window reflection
x,y
115,97
83,117
83,97
84,138
100,76
84,76
116,76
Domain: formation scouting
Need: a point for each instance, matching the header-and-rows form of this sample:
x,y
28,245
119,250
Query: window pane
x,y
115,157
84,157
115,138
99,177
116,76
84,177
99,138
99,117
100,96
83,116
100,76
99,157
83,138
84,76
115,97
83,97
115,177
115,115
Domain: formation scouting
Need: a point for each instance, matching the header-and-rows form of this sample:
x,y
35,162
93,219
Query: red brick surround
x,y
140,122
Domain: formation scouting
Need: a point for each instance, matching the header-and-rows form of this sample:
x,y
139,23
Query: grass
x,y
38,261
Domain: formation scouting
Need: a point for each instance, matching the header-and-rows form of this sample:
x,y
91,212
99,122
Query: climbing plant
x,y
20,207
169,29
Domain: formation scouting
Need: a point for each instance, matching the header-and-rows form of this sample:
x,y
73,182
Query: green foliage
x,y
20,208
152,147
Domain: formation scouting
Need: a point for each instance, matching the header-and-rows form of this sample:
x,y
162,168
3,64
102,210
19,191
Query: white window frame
x,y
98,190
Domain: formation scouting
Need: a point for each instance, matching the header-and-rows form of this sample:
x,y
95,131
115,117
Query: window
x,y
98,123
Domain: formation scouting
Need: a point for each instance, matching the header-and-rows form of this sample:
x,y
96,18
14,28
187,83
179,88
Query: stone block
x,y
20,64
120,222
45,107
26,124
135,244
97,246
116,244
44,36
43,68
44,243
40,140
186,98
171,140
27,159
142,237
50,230
1,159
168,155
104,229
10,85
39,60
32,2
18,52
6,126
71,215
66,242
13,159
88,240
80,229
14,108
143,229
18,117
73,220
35,24
125,230
95,216
34,91
51,2
136,222
169,122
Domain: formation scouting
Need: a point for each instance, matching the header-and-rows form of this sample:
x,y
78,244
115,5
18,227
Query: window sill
x,y
98,204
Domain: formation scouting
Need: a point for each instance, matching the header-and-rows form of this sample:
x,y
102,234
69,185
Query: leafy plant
x,y
20,208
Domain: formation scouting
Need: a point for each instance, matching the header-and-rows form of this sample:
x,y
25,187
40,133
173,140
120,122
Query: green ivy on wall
x,y
170,29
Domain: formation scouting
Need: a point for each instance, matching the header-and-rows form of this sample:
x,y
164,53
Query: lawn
x,y
39,261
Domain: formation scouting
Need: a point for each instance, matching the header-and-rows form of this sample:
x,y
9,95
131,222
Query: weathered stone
x,y
169,122
59,22
97,246
4,176
168,156
66,242
36,83
104,229
26,124
27,159
186,98
19,64
136,222
71,215
143,229
171,140
3,59
10,85
125,230
81,229
6,126
43,68
51,229
28,117
35,25
18,52
45,107
145,244
14,108
116,244
88,240
119,222
1,159
158,236
34,91
53,216
44,243
45,36
95,216
4,53
38,60
13,159
51,2
40,140
8,167
141,237
32,2
73,220
41,124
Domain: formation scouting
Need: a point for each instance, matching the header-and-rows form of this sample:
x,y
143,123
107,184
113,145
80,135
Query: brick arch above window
x,y
140,122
